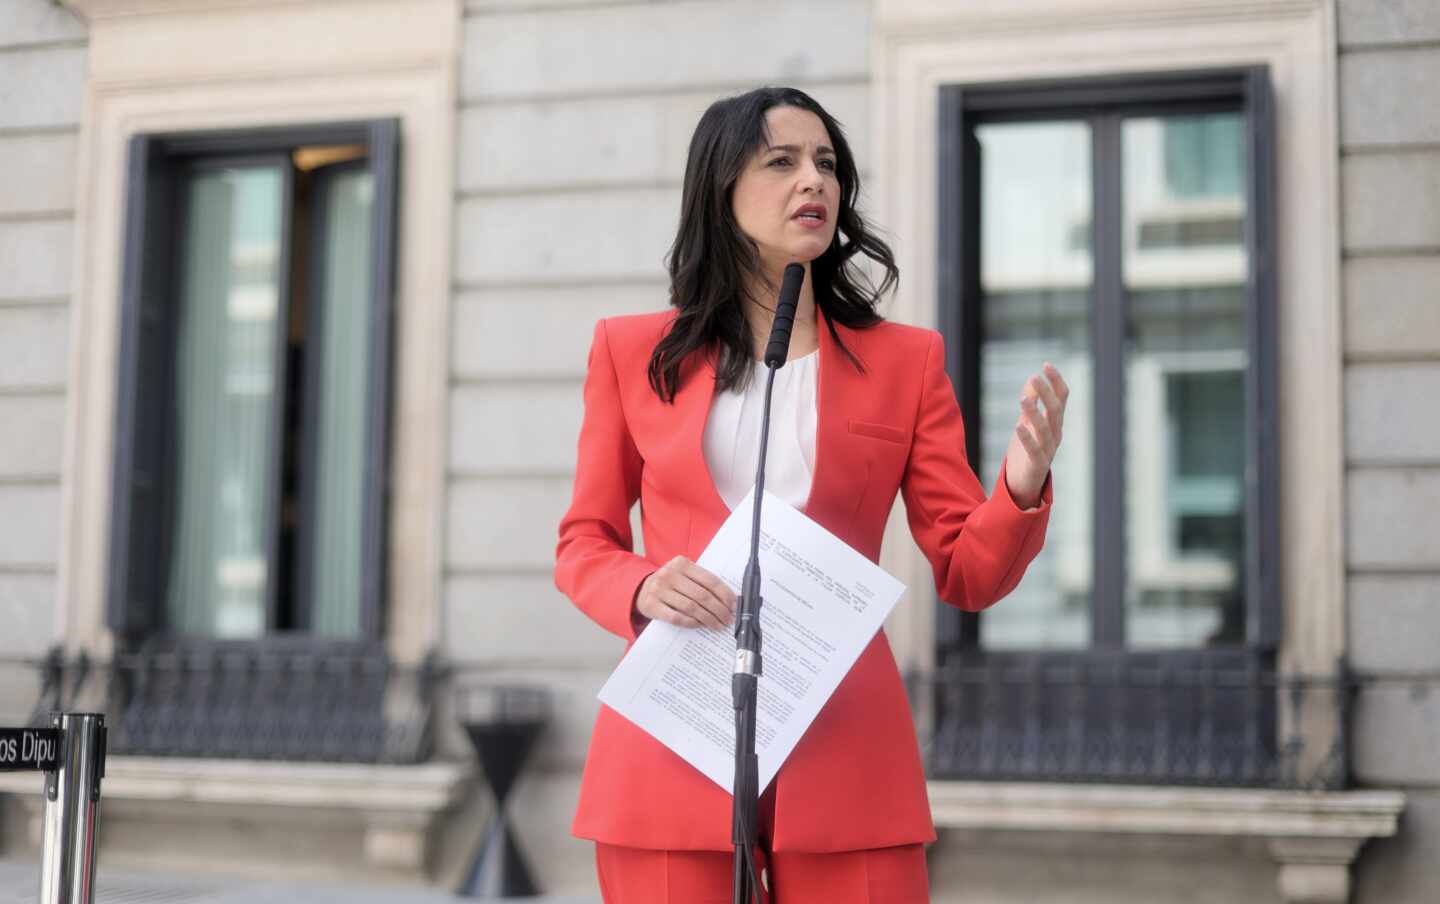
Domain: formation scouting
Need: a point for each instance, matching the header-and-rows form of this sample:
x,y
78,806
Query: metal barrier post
x,y
72,802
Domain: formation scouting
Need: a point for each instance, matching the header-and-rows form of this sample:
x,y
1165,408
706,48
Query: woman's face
x,y
788,197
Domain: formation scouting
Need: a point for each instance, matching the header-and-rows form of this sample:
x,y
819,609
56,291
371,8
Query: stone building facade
x,y
541,147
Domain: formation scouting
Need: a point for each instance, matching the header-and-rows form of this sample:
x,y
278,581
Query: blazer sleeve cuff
x,y
638,621
1002,495
624,620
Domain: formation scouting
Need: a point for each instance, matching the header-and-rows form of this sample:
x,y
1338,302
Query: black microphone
x,y
779,347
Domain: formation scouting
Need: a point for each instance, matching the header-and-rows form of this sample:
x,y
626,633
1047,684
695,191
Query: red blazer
x,y
855,780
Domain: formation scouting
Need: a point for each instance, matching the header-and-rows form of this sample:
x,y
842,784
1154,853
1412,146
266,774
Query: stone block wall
x,y
42,71
1390,172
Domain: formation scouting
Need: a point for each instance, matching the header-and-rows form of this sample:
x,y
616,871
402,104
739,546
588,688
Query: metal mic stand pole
x,y
743,691
744,828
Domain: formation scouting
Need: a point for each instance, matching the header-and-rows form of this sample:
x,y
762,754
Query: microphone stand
x,y
745,832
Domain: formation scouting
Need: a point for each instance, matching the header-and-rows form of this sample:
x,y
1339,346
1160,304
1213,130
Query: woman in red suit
x,y
866,411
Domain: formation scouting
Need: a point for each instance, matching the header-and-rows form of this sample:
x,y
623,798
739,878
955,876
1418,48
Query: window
x,y
251,432
1120,228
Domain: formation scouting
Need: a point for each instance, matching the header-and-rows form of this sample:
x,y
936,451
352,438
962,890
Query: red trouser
x,y
893,875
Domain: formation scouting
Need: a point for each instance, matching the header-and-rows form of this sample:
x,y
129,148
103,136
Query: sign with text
x,y
24,749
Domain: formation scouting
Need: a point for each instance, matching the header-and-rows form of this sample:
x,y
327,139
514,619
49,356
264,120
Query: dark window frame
x,y
1106,670
141,503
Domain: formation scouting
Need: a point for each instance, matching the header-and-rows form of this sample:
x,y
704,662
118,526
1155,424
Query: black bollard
x,y
502,723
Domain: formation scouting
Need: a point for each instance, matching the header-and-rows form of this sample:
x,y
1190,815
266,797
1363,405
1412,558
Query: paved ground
x,y
19,884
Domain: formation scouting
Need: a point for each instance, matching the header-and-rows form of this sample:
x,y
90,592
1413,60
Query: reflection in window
x,y
336,511
1035,198
1185,273
272,397
226,336
1204,155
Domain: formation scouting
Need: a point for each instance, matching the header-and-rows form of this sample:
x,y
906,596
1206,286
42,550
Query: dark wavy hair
x,y
712,260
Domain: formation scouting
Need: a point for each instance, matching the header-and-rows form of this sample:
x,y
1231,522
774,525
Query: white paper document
x,y
823,603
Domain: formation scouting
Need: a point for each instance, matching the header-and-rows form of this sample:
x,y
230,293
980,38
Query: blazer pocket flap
x,y
880,431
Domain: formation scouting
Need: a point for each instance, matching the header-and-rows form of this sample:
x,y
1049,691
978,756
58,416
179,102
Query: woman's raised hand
x,y
1037,435
682,593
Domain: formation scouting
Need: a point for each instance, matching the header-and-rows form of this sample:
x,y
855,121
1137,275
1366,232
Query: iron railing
x,y
1159,719
254,702
1166,719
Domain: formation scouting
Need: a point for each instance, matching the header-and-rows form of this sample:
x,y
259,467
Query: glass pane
x,y
1035,278
1204,155
340,421
226,399
1185,280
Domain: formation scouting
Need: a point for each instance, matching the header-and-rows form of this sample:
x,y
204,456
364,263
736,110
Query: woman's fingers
x,y
687,595
1062,389
1040,387
679,617
687,613
1039,431
666,605
1032,446
705,604
712,583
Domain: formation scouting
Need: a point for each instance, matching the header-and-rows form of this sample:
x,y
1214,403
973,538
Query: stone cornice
x,y
91,10
917,16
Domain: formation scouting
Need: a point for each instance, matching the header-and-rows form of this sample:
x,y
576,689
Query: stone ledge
x,y
426,786
1183,811
1313,836
393,808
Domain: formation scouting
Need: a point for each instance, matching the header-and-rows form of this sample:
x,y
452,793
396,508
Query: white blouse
x,y
732,434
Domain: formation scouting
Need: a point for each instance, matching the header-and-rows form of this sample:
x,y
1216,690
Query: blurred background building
x,y
295,300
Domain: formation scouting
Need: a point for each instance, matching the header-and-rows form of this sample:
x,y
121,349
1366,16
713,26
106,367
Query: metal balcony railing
x,y
1173,719
296,702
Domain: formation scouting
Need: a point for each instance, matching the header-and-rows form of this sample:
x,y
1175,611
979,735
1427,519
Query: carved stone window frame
x,y
920,46
168,66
